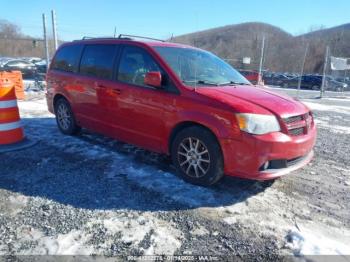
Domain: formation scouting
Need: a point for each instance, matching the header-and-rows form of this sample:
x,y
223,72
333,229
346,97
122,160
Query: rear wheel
x,y
65,118
197,156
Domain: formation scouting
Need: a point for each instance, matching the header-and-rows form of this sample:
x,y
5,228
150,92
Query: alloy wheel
x,y
193,157
63,116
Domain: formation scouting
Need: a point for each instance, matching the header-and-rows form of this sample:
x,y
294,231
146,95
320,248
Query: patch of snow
x,y
329,108
34,109
164,237
312,243
344,98
165,183
332,127
164,240
15,204
72,243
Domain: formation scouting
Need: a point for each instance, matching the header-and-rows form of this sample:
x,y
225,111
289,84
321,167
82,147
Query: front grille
x,y
298,125
293,119
296,131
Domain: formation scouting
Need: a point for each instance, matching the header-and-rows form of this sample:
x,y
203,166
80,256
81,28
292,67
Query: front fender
x,y
222,125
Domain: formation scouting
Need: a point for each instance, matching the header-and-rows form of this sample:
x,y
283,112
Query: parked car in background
x,y
181,101
32,59
4,60
275,78
307,82
41,66
28,69
332,84
251,76
314,82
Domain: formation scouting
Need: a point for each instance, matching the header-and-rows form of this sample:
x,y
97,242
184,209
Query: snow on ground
x,y
329,108
280,210
332,127
311,243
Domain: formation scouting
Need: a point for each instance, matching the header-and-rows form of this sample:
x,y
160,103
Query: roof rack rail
x,y
101,37
137,36
87,37
123,37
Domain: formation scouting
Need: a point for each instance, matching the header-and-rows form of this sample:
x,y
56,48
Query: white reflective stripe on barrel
x,y
8,104
10,126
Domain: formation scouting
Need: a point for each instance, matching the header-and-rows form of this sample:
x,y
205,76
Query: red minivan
x,y
182,101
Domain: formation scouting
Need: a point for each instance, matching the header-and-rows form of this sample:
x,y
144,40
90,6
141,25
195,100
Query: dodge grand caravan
x,y
182,101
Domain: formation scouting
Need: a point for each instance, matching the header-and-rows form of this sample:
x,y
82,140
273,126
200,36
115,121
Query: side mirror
x,y
153,79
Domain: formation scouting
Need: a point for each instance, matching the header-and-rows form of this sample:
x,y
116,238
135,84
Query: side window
x,y
67,58
134,64
97,60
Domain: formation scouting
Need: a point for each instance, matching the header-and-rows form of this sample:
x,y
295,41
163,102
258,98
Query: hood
x,y
256,96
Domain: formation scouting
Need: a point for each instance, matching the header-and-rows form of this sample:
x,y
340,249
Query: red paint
x,y
252,76
153,79
146,117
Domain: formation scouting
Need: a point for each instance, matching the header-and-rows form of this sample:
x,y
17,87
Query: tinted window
x,y
97,60
67,58
134,64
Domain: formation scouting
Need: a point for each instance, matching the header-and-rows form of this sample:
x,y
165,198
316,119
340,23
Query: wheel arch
x,y
186,124
57,97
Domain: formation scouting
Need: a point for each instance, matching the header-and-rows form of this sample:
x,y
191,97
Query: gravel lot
x,y
92,195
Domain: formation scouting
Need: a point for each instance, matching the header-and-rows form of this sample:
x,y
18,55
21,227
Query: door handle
x,y
101,86
116,91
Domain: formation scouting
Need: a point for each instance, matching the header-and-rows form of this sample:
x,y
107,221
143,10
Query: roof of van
x,y
124,40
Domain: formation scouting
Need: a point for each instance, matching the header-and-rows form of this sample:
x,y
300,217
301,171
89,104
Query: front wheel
x,y
65,118
197,156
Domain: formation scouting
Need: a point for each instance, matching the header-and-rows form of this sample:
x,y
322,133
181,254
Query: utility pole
x,y
324,71
115,31
302,69
54,32
261,59
46,43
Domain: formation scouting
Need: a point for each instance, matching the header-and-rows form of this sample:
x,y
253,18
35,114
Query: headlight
x,y
257,124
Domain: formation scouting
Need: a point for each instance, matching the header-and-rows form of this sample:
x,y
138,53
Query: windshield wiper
x,y
200,82
232,83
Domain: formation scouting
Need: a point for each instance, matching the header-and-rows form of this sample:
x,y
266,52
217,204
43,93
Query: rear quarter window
x,y
67,58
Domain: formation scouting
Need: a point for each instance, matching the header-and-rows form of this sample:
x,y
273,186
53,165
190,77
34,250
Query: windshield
x,y
199,68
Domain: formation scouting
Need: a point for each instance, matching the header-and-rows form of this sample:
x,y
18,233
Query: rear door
x,y
98,101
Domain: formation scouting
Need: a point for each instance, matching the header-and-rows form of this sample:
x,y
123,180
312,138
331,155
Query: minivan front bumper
x,y
247,156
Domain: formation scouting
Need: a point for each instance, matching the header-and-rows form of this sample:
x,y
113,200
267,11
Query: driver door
x,y
143,110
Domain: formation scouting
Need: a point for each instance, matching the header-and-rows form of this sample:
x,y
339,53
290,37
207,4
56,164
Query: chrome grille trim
x,y
298,125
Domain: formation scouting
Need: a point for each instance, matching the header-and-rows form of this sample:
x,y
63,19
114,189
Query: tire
x,y
285,85
65,118
202,163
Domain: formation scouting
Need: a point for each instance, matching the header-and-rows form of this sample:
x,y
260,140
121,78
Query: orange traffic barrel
x,y
11,130
15,77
